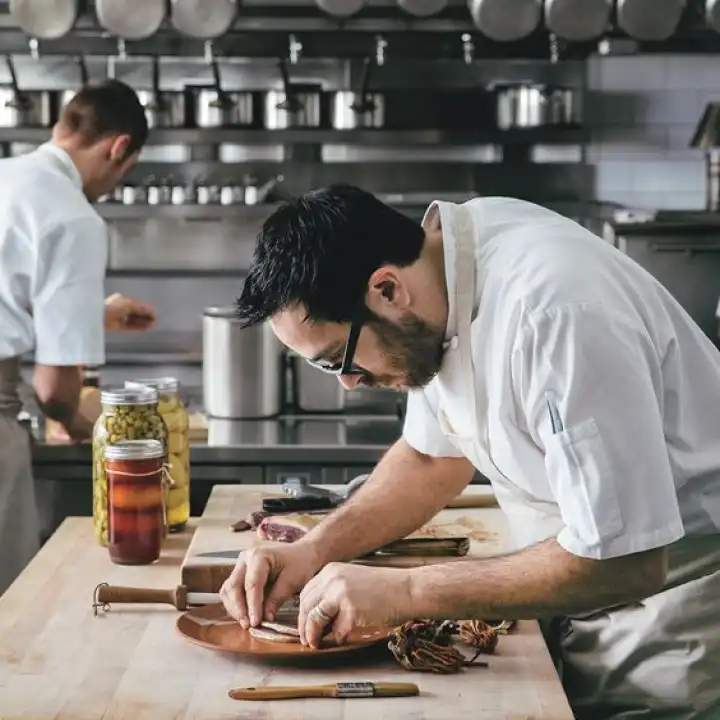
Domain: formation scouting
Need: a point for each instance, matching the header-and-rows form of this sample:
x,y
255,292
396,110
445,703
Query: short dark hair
x,y
320,251
107,108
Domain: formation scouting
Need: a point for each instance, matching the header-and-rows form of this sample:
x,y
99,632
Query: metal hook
x,y
104,606
468,48
121,53
208,52
294,49
380,48
34,46
554,49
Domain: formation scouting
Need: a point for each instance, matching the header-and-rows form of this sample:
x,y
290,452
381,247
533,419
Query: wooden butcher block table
x,y
59,662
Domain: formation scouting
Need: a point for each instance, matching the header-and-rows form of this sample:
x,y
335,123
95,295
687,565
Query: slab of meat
x,y
288,528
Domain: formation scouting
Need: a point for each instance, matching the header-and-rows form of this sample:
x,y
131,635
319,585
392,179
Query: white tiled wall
x,y
642,111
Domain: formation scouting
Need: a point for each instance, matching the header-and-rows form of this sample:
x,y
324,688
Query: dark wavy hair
x,y
320,250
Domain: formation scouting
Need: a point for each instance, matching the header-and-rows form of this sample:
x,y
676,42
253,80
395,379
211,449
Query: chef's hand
x,y
280,570
124,313
350,596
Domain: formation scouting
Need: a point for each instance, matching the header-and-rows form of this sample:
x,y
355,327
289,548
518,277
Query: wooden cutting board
x,y
484,526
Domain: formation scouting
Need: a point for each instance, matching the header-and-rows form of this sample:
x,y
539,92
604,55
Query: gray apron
x,y
19,523
658,658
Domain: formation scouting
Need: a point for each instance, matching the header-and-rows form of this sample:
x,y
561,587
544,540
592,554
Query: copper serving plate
x,y
211,627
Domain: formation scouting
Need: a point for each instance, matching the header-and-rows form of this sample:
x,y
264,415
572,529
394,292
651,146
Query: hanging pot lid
x,y
577,20
506,20
44,20
131,19
204,19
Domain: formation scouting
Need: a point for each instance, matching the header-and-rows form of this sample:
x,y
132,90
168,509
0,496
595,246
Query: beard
x,y
413,347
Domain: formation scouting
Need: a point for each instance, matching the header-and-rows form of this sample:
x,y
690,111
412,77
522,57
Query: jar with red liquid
x,y
135,485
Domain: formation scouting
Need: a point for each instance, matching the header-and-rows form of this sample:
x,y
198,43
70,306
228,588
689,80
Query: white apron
x,y
19,523
659,658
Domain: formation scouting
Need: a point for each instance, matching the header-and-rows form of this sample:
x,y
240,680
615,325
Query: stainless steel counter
x,y
312,440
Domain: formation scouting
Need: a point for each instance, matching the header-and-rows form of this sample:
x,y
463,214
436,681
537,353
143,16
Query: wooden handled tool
x,y
178,597
344,690
473,500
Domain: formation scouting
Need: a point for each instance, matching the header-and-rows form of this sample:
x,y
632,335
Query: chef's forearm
x,y
405,490
541,581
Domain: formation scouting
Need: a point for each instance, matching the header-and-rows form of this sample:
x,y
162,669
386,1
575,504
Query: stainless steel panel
x,y
689,267
166,244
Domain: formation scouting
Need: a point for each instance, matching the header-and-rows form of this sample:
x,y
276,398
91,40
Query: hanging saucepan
x,y
131,19
364,109
296,106
649,20
163,108
506,20
215,107
43,19
525,105
205,19
577,20
18,108
422,8
340,8
712,14
68,95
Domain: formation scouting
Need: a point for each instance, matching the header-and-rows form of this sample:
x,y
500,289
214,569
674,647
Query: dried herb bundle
x,y
479,635
426,646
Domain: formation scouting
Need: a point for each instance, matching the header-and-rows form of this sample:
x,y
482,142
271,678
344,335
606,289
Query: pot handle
x,y
221,96
20,100
82,67
291,103
365,103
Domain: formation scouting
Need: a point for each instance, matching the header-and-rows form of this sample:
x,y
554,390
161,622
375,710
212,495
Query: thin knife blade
x,y
201,598
220,554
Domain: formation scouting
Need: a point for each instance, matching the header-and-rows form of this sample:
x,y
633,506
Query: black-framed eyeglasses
x,y
347,366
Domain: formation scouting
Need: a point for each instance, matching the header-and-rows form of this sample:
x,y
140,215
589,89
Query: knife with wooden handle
x,y
343,690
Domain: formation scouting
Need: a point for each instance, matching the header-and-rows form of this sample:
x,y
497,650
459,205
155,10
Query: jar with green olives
x,y
127,414
177,421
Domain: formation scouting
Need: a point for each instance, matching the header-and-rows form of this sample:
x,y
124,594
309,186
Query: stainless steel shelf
x,y
244,213
377,138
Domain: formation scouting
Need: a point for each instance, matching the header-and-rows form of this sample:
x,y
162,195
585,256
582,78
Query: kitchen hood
x,y
707,132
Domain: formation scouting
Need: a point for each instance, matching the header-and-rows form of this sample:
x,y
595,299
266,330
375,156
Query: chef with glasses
x,y
538,354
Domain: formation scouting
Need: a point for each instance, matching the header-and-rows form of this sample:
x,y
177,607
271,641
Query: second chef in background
x,y
53,255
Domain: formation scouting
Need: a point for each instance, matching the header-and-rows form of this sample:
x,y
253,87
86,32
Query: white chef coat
x,y
53,255
562,315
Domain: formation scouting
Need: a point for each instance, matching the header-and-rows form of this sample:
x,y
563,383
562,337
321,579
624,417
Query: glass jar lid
x,y
142,395
135,450
167,385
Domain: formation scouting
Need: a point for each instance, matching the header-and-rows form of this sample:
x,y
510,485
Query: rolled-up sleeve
x,y
422,429
68,294
606,457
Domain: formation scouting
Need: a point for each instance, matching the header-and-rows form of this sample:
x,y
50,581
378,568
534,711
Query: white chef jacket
x,y
53,254
561,315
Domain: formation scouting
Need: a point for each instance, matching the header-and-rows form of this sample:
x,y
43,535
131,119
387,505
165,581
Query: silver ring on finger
x,y
321,614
